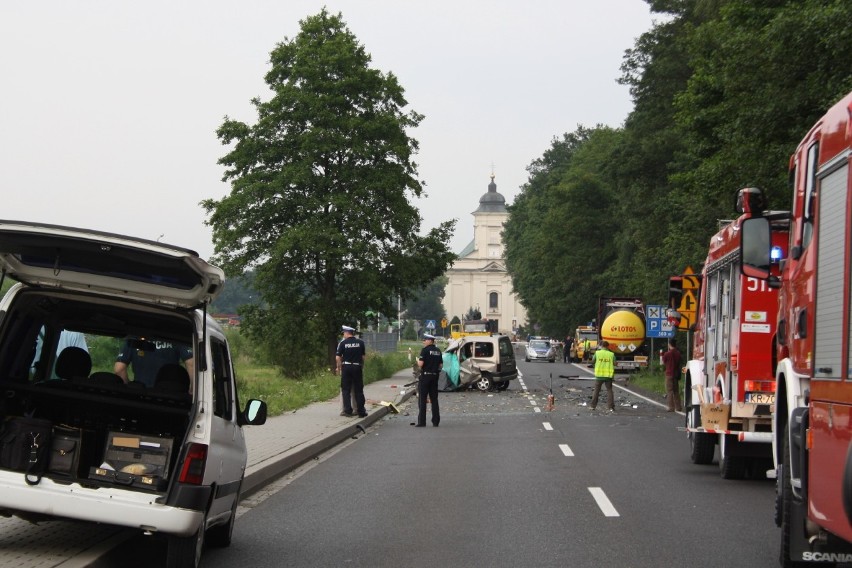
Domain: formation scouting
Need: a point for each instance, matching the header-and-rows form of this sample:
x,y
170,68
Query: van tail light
x,y
192,470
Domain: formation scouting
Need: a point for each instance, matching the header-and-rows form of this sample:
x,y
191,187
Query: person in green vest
x,y
604,361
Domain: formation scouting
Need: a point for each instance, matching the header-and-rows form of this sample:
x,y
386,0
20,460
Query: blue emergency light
x,y
775,254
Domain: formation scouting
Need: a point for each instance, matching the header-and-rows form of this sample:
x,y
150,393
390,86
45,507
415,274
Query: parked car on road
x,y
164,453
540,350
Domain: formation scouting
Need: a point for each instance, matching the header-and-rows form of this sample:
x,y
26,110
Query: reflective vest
x,y
604,364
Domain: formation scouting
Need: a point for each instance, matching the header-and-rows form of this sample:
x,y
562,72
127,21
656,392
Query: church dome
x,y
492,201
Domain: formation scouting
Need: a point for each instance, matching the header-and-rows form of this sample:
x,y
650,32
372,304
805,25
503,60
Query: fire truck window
x,y
810,190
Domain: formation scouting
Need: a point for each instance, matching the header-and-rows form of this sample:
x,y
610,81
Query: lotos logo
x,y
623,328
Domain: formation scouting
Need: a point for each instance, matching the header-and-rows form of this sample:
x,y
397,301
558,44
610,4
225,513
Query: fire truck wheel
x,y
731,467
787,504
703,446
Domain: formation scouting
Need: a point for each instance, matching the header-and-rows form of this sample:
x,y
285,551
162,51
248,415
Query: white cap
x,y
428,336
347,328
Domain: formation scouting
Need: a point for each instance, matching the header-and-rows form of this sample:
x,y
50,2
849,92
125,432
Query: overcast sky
x,y
108,109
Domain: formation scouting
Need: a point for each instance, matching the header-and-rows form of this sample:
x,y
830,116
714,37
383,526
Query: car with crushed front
x,y
483,362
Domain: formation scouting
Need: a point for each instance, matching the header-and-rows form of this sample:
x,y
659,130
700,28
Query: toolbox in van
x,y
135,460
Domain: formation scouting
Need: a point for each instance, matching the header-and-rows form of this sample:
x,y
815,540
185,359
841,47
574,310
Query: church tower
x,y
478,278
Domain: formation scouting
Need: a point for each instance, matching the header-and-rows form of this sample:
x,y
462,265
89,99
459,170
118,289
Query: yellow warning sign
x,y
690,280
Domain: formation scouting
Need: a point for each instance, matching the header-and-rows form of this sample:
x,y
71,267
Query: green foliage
x,y
319,203
425,303
238,292
103,351
284,394
408,331
723,90
651,379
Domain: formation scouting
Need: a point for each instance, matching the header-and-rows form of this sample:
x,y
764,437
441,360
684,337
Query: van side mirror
x,y
254,414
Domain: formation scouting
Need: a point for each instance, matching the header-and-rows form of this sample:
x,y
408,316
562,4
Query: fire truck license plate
x,y
760,398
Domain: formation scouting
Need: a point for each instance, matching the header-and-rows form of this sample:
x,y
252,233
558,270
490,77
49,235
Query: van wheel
x,y
484,383
219,536
185,551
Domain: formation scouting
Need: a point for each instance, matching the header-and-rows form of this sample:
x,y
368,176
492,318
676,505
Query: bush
x,y
285,394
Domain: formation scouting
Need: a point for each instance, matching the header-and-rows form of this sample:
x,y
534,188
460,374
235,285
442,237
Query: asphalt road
x,y
500,484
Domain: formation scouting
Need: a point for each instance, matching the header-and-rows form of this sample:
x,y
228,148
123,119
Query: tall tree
x,y
425,304
319,202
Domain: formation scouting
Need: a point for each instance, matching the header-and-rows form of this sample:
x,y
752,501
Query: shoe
x,y
364,415
435,425
347,414
591,408
419,425
670,410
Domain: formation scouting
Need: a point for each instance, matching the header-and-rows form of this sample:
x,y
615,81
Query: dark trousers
x,y
608,384
352,379
428,387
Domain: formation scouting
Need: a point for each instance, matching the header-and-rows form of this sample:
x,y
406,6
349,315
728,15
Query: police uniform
x,y
428,382
146,358
351,352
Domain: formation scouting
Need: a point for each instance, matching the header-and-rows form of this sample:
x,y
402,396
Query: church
x,y
478,278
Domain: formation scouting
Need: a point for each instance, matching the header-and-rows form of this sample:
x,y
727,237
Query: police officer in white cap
x,y
351,353
430,362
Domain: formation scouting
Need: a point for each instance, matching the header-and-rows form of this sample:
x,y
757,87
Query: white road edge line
x,y
603,502
634,393
566,450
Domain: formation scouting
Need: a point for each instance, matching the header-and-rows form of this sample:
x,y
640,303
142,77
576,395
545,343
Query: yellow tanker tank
x,y
624,330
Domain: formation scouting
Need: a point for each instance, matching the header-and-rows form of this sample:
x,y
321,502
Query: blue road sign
x,y
656,324
430,324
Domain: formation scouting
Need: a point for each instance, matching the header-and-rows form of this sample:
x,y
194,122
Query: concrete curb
x,y
266,474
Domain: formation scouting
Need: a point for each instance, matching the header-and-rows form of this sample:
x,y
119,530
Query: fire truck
x,y
729,387
812,441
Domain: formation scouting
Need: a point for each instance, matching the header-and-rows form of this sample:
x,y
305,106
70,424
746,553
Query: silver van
x,y
154,443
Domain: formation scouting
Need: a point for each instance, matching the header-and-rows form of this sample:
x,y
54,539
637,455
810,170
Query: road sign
x,y
657,325
690,280
444,322
430,324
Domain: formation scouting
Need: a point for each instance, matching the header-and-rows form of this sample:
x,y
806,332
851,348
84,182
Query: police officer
x,y
351,353
430,362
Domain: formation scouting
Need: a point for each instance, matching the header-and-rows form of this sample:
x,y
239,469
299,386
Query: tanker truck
x,y
622,325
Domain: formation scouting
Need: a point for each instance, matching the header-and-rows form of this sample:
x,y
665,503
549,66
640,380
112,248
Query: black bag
x,y
65,451
24,446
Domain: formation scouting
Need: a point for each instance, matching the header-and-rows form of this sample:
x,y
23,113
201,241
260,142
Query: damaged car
x,y
486,363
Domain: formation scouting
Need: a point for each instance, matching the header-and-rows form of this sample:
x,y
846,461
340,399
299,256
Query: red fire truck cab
x,y
812,441
729,387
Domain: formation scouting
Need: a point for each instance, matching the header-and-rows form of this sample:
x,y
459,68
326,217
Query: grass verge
x,y
283,394
650,379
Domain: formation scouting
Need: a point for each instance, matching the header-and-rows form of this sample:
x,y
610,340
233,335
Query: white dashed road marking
x,y
547,426
603,502
566,450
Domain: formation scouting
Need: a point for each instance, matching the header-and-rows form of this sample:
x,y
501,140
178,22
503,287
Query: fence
x,y
379,341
